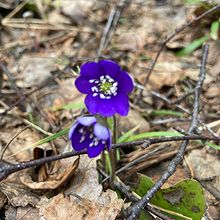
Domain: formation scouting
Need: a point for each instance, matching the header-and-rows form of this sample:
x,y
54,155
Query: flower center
x,y
105,87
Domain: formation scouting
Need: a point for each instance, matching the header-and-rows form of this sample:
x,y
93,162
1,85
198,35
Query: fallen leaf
x,y
165,74
75,207
2,199
56,179
86,181
130,41
27,213
34,70
213,91
18,195
133,119
205,165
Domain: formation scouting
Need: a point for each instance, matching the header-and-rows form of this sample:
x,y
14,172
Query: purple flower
x,y
107,86
88,133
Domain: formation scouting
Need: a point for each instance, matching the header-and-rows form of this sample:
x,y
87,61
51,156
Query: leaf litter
x,y
34,56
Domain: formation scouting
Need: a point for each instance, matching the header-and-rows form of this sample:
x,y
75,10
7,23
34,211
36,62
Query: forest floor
x,y
42,46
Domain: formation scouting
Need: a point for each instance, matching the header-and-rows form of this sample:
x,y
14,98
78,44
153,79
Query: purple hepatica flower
x,y
88,133
107,86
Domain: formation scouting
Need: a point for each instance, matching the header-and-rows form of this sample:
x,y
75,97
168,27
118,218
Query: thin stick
x,y
16,135
111,25
7,170
134,211
210,188
132,163
11,78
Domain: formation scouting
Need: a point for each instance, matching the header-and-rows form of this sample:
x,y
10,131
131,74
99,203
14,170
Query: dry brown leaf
x,y
55,180
82,12
213,91
214,70
25,139
34,70
133,119
86,181
193,74
74,207
165,74
10,213
18,195
27,213
110,205
205,165
2,199
130,41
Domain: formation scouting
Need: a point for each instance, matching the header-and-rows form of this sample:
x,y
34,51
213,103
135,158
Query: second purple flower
x,y
88,133
107,87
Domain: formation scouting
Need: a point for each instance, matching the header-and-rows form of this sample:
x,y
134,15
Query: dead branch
x,y
8,168
134,211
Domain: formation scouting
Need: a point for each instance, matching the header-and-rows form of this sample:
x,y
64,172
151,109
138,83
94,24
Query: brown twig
x,y
15,136
132,197
111,25
210,188
133,162
134,211
118,184
24,165
11,78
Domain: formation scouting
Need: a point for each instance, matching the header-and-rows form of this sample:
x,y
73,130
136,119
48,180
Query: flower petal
x,y
96,105
72,129
83,85
101,132
109,67
87,120
125,82
91,104
90,70
94,151
76,137
121,104
106,107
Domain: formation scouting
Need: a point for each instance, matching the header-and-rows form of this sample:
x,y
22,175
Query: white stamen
x,y
108,97
81,130
114,94
91,135
95,89
115,84
113,89
111,80
108,77
97,81
102,96
94,94
103,142
82,139
91,80
103,81
102,77
91,144
96,141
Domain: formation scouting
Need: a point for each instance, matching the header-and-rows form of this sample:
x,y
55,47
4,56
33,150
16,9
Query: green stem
x,y
112,153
